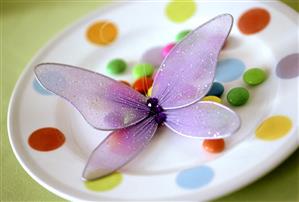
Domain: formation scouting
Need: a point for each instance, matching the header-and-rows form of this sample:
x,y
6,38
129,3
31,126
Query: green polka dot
x,y
106,183
179,11
116,66
238,96
254,76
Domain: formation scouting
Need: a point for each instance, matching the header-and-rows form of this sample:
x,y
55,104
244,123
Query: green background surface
x,y
25,27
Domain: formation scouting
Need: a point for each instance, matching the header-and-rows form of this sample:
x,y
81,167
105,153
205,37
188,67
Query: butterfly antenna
x,y
144,83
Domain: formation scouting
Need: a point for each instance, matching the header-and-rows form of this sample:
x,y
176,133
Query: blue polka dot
x,y
229,69
195,177
38,88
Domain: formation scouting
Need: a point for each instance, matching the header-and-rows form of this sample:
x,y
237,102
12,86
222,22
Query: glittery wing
x,y
119,148
105,103
204,119
187,73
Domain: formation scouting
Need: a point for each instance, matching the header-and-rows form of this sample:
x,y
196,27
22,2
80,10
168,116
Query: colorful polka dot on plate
x,y
106,183
254,20
153,56
229,69
288,67
274,128
39,88
195,177
102,33
180,11
46,139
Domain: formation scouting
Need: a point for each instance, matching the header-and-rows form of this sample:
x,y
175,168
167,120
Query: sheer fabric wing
x,y
105,103
187,73
119,148
206,120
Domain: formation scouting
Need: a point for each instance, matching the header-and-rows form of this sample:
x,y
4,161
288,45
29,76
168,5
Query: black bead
x,y
160,118
152,101
158,109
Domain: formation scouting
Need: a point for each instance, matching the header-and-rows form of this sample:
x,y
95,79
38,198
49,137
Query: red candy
x,y
143,84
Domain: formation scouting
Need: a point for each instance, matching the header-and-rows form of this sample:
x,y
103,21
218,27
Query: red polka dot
x,y
46,139
254,20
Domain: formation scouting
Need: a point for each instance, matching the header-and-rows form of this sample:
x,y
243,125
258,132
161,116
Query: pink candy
x,y
167,49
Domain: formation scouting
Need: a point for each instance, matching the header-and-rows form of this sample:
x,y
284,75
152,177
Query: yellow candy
x,y
149,91
212,99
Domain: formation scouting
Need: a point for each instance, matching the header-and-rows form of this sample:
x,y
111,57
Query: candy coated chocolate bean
x,y
254,76
181,35
217,89
212,99
167,49
238,96
149,91
143,84
143,69
214,145
125,82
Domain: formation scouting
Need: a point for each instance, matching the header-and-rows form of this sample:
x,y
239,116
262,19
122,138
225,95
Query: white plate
x,y
166,168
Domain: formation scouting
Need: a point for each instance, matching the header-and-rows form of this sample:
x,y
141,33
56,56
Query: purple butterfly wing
x,y
187,73
105,103
119,148
207,120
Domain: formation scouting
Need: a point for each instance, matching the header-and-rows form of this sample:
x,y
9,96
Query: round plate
x,y
171,167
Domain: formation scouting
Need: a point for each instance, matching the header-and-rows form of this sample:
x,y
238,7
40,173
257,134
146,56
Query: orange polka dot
x,y
214,146
254,20
102,33
46,139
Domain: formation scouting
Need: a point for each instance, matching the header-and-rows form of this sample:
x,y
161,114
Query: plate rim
x,y
58,36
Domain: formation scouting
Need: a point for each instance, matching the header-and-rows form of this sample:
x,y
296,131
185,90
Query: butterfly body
x,y
184,77
156,110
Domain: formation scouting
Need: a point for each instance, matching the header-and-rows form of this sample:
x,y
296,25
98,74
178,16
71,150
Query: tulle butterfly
x,y
183,78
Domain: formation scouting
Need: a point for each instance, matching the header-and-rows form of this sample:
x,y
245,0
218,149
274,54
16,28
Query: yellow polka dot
x,y
212,99
179,11
102,33
274,128
106,183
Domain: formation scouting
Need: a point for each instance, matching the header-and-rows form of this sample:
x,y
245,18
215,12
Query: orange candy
x,y
125,82
143,84
214,146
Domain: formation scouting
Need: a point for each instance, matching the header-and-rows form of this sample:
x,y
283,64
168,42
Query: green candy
x,y
254,76
181,35
116,66
143,69
238,96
